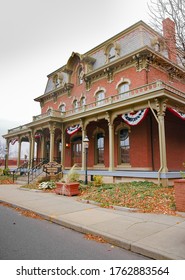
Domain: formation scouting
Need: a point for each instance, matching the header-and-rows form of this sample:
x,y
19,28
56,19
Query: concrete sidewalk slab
x,y
153,235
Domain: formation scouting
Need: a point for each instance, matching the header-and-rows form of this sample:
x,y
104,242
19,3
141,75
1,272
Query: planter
x,y
68,189
179,186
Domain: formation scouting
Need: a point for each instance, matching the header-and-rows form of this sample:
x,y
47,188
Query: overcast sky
x,y
38,37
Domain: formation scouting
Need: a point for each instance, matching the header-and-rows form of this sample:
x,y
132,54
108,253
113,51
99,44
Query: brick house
x,y
127,95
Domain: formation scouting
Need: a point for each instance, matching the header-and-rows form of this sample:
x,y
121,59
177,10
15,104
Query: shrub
x,y
72,175
98,180
47,185
6,171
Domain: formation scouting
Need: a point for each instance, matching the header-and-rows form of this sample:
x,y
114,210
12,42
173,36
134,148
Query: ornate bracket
x,y
109,72
143,61
161,106
88,83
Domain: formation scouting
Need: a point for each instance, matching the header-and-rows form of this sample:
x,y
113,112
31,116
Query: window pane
x,y
100,96
124,146
123,87
100,148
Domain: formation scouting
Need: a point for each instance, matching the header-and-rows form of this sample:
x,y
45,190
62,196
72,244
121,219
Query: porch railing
x,y
142,90
139,91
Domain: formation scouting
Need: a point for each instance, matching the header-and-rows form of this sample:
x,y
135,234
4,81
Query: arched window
x,y
124,146
56,81
49,111
82,101
112,51
99,148
75,105
80,75
123,87
100,96
111,54
62,108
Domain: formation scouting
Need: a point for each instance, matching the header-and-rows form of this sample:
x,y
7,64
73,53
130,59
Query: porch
x,y
103,125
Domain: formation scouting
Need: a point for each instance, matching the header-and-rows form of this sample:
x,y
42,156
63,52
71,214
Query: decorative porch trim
x,y
135,118
13,141
73,129
177,113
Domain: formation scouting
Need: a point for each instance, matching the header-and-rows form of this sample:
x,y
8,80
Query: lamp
x,y
86,146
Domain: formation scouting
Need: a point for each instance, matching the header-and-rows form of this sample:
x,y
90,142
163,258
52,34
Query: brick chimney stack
x,y
169,35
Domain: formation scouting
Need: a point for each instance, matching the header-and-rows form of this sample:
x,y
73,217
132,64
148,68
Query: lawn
x,y
144,196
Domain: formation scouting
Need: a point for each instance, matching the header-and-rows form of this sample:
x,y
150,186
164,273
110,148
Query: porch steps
x,y
23,179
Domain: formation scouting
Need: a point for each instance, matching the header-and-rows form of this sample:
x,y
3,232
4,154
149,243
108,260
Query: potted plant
x,y
69,186
179,186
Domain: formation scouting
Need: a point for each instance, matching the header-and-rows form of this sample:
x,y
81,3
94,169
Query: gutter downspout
x,y
159,171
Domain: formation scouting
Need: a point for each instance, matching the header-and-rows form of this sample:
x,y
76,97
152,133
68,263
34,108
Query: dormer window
x,y
56,81
112,51
112,54
80,75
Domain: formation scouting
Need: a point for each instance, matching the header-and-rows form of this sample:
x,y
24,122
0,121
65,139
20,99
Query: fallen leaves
x,y
93,237
146,196
26,213
6,181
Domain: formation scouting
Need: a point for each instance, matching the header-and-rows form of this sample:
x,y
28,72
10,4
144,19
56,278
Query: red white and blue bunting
x,y
73,129
177,113
13,141
38,135
136,117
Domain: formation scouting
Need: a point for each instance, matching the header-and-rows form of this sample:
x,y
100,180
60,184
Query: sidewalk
x,y
152,235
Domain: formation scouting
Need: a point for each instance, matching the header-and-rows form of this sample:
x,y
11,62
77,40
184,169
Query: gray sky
x,y
38,37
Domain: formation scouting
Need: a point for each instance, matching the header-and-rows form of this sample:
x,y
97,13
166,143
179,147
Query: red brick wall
x,y
175,141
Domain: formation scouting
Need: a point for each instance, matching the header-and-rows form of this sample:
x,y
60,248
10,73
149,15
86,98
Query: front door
x,y
77,151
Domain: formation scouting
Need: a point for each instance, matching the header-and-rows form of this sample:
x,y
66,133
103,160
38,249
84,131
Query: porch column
x,y
83,150
161,109
52,137
162,144
111,147
42,146
32,149
29,162
7,153
111,141
19,153
63,143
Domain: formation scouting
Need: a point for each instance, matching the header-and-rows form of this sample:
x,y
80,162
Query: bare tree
x,y
175,10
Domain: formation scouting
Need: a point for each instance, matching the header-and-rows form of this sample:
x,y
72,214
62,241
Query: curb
x,y
122,243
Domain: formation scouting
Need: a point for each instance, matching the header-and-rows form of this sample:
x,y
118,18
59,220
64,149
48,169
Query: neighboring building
x,y
128,96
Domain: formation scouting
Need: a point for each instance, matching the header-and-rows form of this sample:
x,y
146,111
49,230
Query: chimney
x,y
169,35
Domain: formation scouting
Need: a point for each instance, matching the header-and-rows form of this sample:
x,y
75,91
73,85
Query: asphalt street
x,y
26,238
